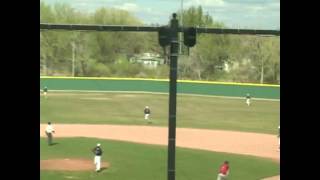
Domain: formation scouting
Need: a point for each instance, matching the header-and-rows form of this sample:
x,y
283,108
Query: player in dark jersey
x,y
97,157
147,113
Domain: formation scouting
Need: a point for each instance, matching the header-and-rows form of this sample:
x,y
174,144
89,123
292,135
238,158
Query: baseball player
x,y
147,113
49,131
248,98
45,91
224,171
97,151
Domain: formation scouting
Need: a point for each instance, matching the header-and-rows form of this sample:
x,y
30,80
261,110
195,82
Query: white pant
x,y
97,162
222,176
146,116
248,102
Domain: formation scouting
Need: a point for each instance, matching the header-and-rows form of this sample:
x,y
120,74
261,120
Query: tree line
x,y
233,58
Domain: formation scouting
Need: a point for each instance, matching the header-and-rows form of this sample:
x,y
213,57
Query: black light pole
x,y
174,45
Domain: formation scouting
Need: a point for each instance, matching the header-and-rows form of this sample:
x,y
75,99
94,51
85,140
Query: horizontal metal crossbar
x,y
92,27
89,27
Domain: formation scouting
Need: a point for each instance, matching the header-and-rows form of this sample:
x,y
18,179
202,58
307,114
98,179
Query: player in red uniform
x,y
224,171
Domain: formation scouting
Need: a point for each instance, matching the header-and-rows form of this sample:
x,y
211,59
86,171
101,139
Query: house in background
x,y
148,60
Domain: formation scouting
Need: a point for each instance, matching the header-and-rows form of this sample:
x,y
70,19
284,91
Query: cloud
x,y
131,7
256,8
251,2
208,3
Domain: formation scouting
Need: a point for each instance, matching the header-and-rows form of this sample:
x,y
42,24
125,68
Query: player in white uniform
x,y
97,157
248,98
49,132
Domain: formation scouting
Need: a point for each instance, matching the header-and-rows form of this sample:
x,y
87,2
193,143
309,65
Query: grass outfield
x,y
192,111
131,161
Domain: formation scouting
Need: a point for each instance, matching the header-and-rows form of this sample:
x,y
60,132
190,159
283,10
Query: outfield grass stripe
x,y
159,93
192,111
228,97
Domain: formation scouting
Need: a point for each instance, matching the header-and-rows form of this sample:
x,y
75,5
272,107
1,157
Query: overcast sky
x,y
257,14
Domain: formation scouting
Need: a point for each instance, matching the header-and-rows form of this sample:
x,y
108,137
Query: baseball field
x,y
209,130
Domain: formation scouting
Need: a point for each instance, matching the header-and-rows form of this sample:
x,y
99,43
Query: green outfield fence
x,y
265,91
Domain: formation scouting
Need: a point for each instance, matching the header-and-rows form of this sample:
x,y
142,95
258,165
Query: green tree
x,y
210,52
249,58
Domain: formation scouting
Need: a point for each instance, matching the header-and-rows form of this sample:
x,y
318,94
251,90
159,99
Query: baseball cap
x,y
98,144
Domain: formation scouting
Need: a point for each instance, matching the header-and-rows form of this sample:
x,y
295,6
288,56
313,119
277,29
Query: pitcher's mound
x,y
70,165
